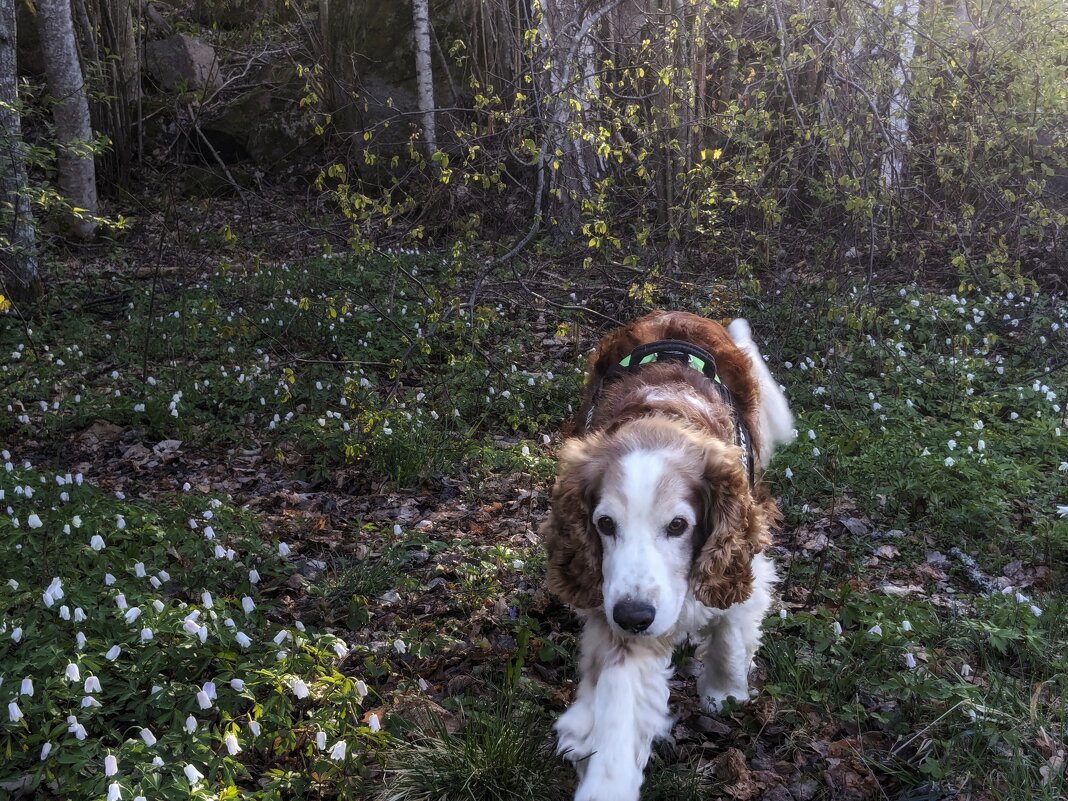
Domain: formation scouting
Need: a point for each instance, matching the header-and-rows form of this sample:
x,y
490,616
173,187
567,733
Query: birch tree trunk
x,y
111,63
77,173
906,13
19,276
424,74
565,28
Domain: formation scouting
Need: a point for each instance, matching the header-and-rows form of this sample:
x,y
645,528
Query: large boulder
x,y
182,62
268,119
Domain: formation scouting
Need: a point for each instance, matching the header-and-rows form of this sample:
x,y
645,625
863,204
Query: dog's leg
x,y
731,641
726,665
620,709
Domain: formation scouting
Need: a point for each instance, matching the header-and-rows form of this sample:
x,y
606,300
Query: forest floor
x,y
344,461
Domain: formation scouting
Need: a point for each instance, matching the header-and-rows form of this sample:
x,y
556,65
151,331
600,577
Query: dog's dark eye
x,y
606,526
677,526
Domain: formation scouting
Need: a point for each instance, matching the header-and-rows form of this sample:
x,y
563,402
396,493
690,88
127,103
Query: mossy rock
x,y
269,121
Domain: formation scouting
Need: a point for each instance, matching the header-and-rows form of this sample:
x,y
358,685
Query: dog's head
x,y
645,514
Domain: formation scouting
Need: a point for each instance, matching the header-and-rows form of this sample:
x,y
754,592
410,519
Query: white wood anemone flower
x,y
231,744
192,774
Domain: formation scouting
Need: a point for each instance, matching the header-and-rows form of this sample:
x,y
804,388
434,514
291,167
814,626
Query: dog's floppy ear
x,y
734,529
574,548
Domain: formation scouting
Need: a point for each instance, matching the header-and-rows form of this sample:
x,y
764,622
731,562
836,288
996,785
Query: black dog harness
x,y
699,359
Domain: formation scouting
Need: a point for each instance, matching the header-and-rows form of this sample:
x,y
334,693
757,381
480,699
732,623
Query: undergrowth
x,y
934,418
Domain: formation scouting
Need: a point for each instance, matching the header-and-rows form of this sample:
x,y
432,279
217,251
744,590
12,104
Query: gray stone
x,y
269,121
804,789
182,62
855,526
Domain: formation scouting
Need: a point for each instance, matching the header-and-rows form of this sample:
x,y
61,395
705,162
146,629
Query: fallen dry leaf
x,y
738,781
847,775
901,589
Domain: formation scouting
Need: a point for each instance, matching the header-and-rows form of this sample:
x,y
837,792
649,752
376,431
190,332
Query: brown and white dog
x,y
657,530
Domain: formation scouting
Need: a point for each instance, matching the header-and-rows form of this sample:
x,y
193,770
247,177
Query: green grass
x,y
333,364
499,754
949,426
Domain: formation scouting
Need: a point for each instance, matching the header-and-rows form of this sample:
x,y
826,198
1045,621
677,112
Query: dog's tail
x,y
776,419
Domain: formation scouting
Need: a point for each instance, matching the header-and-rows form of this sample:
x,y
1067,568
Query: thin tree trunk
x,y
424,74
700,84
906,14
726,87
77,173
565,27
19,276
111,61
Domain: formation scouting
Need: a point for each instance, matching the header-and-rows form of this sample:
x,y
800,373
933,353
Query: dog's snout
x,y
633,616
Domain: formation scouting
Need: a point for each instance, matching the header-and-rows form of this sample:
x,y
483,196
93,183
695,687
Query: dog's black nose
x,y
633,616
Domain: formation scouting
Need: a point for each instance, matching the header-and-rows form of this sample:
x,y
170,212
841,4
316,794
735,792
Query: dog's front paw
x,y
713,698
615,782
573,731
